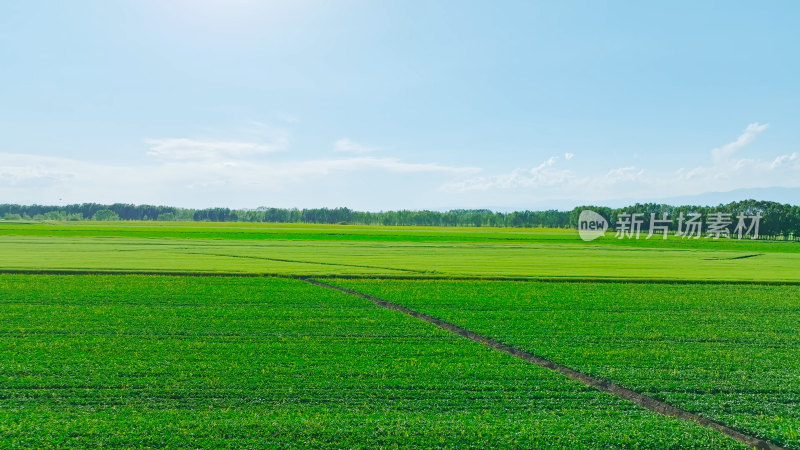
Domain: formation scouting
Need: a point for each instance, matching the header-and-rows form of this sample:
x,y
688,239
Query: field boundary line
x,y
640,399
328,276
297,261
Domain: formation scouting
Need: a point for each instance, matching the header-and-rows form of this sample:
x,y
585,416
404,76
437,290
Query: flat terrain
x,y
115,334
725,352
163,361
313,250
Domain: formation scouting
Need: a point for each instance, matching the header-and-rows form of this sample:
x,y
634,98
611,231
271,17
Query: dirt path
x,y
604,385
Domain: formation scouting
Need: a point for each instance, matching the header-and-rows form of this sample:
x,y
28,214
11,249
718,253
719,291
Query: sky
x,y
408,104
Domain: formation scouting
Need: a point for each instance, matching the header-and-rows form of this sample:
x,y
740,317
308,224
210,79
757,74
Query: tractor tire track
x,y
640,399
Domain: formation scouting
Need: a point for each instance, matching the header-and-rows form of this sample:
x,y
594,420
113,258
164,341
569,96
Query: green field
x,y
725,352
99,348
160,361
317,250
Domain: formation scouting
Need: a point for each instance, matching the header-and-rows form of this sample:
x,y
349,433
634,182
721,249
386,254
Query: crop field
x,y
316,250
213,335
157,361
725,352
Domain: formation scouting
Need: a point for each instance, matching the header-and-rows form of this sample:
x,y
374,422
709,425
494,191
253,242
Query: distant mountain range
x,y
773,194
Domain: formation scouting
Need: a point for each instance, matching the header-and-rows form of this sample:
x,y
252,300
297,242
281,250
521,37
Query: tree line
x,y
123,211
778,221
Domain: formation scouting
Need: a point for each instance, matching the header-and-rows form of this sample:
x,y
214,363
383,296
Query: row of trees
x,y
122,211
456,217
778,220
87,211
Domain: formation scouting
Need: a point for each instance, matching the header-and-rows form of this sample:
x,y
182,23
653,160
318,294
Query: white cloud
x,y
349,146
393,165
47,179
198,181
722,154
725,172
20,170
542,175
620,174
784,160
194,149
193,172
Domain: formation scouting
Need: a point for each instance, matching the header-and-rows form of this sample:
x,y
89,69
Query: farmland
x,y
726,352
208,335
176,361
316,250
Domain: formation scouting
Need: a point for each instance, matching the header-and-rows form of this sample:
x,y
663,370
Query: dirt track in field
x,y
604,385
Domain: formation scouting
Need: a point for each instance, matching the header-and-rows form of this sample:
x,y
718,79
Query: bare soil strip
x,y
604,385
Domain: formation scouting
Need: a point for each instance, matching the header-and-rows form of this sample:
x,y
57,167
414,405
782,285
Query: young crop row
x,y
251,362
723,351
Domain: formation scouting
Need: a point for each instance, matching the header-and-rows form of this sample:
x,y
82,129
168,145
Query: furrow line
x,y
297,261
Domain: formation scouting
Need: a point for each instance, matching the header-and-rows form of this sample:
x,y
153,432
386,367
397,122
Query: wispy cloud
x,y
542,175
630,173
727,171
785,160
388,164
722,154
347,145
186,171
224,175
47,179
25,170
730,168
196,149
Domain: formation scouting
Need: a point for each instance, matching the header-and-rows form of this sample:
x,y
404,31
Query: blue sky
x,y
395,104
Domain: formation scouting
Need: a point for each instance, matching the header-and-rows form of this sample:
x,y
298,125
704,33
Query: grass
x,y
725,352
241,362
